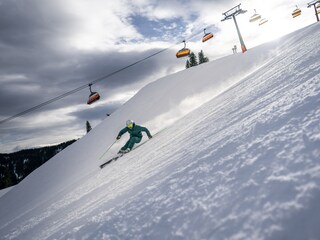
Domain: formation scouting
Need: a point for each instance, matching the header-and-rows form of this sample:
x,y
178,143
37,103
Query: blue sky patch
x,y
164,29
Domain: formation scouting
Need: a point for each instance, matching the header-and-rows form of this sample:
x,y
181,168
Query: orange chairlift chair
x,y
296,12
255,17
206,36
183,52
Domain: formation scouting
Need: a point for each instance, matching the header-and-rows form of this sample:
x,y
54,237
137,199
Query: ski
x,y
121,154
111,160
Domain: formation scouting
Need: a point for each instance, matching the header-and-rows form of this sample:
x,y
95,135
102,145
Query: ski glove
x,y
118,137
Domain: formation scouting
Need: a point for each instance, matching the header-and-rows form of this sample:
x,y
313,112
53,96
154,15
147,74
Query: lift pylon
x,y
316,5
232,13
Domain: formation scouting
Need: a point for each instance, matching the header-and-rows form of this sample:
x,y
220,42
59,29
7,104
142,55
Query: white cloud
x,y
99,24
12,77
93,26
105,25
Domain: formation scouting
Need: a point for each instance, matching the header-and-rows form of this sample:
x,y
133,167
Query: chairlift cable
x,y
88,84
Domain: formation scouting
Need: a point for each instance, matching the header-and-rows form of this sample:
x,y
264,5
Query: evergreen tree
x,y
88,126
187,64
6,177
202,58
193,60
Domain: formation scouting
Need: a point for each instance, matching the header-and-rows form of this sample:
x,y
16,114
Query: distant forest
x,y
14,167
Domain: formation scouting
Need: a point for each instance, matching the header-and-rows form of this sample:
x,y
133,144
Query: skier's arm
x,y
123,131
144,129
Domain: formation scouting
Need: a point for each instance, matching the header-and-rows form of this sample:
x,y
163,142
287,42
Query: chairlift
x,y
93,97
206,36
183,52
296,12
255,17
263,21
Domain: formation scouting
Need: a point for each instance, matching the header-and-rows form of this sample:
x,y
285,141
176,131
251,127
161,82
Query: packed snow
x,y
235,155
5,190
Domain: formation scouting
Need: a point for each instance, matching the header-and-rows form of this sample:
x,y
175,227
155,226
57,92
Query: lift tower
x,y
316,8
232,13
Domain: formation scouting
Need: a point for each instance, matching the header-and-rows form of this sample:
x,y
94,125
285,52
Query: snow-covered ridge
x,y
237,158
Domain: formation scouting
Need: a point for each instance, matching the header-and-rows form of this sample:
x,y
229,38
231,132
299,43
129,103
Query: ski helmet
x,y
130,123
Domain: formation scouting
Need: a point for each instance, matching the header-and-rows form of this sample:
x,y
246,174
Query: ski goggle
x,y
130,125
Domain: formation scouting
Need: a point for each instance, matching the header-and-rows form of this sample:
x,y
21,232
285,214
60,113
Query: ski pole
x,y
107,149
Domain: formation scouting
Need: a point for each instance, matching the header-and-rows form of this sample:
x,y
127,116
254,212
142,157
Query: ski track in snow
x,y
245,165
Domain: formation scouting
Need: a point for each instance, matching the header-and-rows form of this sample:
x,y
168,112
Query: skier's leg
x,y
132,141
126,145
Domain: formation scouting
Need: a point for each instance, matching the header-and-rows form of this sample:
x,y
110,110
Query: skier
x,y
135,135
235,48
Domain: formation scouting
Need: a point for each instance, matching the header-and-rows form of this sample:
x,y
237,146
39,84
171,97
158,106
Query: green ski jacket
x,y
136,131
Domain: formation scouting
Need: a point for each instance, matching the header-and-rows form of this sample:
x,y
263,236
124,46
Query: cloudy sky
x,y
51,47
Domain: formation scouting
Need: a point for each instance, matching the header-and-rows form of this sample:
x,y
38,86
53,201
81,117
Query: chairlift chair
x,y
93,97
263,21
183,52
255,17
296,12
206,36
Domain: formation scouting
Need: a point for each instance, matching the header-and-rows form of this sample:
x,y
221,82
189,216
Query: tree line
x,y
14,167
193,61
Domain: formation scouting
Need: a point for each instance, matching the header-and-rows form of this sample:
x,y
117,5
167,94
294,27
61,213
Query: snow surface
x,y
5,190
237,156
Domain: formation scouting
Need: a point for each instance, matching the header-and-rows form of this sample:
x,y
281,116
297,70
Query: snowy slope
x,y
237,157
4,191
